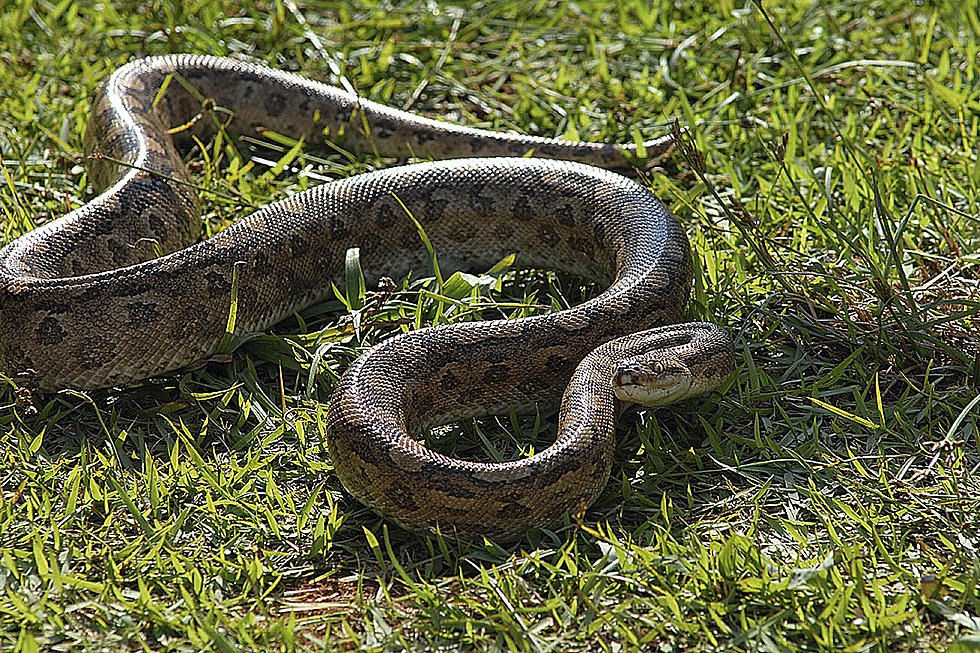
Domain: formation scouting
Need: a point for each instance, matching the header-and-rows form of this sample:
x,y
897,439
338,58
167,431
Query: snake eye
x,y
659,367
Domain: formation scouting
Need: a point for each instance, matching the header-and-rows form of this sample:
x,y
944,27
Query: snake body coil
x,y
87,301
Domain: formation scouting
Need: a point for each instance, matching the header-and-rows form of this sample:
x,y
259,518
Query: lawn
x,y
827,499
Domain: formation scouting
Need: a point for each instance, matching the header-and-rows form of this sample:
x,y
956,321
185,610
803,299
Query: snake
x,y
124,288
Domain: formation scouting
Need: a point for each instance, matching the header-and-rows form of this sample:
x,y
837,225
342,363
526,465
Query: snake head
x,y
672,363
652,380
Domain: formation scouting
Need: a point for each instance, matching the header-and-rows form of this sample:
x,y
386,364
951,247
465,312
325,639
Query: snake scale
x,y
89,301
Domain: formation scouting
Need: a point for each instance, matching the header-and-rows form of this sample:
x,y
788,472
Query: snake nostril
x,y
626,377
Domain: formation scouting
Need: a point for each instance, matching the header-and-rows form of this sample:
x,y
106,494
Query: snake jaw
x,y
652,383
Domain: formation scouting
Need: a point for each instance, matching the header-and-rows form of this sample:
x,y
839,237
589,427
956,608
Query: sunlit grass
x,y
828,500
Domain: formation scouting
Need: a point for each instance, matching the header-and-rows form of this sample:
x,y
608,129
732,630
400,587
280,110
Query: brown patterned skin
x,y
381,401
87,302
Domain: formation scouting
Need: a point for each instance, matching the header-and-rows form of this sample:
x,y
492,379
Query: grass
x,y
828,500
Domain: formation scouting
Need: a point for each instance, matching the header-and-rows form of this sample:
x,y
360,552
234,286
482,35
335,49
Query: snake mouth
x,y
656,383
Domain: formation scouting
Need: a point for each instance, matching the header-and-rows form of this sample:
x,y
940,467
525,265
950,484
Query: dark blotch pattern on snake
x,y
87,301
